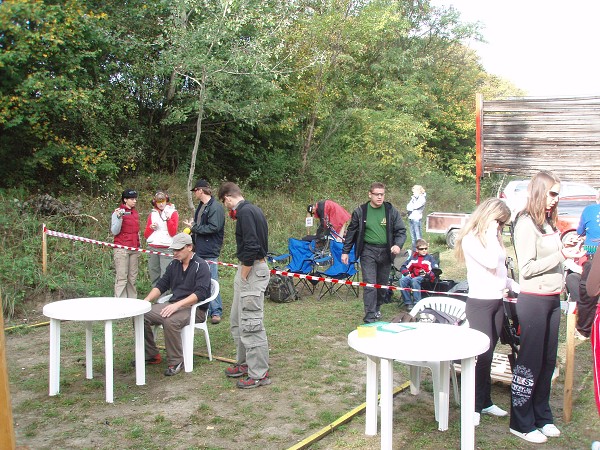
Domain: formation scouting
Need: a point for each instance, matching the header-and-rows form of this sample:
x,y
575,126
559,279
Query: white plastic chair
x,y
187,332
455,308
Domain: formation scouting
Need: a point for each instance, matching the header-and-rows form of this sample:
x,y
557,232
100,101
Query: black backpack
x,y
281,289
433,316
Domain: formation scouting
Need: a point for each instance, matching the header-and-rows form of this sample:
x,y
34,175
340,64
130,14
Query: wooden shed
x,y
522,135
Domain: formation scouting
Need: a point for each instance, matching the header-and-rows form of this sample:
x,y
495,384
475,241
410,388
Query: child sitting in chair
x,y
416,269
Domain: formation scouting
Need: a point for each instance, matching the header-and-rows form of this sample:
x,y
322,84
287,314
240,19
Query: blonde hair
x,y
535,208
489,210
418,187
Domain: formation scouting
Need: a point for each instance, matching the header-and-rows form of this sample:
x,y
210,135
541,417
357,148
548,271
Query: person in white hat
x,y
188,278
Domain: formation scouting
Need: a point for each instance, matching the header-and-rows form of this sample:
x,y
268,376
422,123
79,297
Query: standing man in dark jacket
x,y
207,232
249,285
378,234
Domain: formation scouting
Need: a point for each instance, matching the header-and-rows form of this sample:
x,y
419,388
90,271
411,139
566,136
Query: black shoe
x,y
173,370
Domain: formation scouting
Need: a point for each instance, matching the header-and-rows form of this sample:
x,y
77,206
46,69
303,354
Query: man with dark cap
x,y
125,226
207,232
249,285
188,278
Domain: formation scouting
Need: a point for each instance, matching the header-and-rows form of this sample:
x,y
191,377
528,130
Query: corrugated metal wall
x,y
521,136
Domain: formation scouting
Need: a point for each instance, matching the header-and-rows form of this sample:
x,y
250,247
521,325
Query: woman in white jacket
x,y
161,226
480,246
415,208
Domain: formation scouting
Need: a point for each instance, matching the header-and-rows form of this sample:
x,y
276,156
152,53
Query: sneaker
x,y
156,359
550,430
237,370
215,320
249,383
535,436
494,411
476,419
378,315
173,370
580,336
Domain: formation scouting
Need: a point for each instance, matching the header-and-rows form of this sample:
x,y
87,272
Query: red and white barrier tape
x,y
280,272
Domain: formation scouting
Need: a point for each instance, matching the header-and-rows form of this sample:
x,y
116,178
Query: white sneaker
x,y
476,419
550,430
535,436
494,411
580,336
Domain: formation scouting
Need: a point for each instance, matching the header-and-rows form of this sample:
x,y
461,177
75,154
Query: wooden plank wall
x,y
521,136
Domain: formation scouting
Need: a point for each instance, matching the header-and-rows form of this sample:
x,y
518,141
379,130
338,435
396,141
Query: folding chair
x,y
302,261
339,270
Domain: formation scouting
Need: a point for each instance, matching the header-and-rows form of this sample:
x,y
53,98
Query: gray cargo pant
x,y
247,320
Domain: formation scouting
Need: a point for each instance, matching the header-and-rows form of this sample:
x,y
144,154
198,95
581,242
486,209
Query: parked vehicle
x,y
573,198
446,223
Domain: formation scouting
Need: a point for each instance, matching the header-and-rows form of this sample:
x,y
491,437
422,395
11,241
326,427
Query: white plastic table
x,y
424,342
89,310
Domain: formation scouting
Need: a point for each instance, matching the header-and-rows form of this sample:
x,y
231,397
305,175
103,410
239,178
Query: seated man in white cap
x,y
188,278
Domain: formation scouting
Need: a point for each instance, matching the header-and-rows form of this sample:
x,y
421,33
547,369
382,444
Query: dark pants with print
x,y
539,317
376,266
486,316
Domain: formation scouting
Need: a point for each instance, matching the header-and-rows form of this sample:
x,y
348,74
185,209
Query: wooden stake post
x,y
569,363
7,435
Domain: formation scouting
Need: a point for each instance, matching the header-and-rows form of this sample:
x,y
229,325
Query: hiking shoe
x,y
156,359
173,370
237,370
550,430
535,436
249,383
494,411
215,320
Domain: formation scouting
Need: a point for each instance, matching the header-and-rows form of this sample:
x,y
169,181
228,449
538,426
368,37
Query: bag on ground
x,y
431,315
281,289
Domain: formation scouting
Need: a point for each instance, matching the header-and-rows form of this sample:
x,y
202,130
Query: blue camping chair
x,y
339,270
301,258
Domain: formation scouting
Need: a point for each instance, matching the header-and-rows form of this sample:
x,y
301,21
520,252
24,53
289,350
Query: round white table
x,y
420,342
89,310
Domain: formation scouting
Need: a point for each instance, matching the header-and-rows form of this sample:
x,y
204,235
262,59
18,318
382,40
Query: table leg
x,y
140,363
54,366
372,391
387,398
89,371
467,404
444,395
108,356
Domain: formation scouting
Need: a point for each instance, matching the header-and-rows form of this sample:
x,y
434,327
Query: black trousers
x,y
376,266
539,317
586,305
486,316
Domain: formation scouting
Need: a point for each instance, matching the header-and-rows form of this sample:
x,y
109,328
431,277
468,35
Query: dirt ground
x,y
205,410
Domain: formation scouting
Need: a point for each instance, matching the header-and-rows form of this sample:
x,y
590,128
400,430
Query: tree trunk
x,y
190,182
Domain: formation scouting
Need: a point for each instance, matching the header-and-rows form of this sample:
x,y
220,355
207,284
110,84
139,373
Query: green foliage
x,y
92,92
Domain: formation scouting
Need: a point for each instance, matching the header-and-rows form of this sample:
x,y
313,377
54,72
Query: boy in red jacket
x,y
416,269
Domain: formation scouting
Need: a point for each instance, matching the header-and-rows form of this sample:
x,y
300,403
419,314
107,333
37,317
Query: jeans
x,y
415,232
414,283
215,308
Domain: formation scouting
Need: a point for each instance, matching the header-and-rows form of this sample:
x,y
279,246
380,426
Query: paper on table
x,y
394,327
